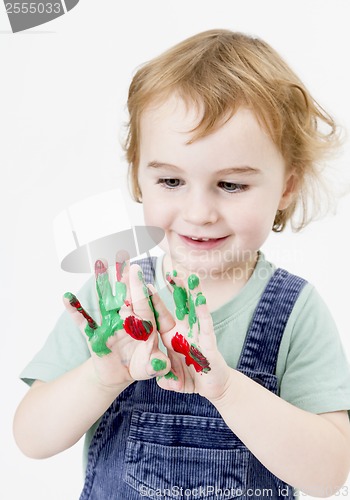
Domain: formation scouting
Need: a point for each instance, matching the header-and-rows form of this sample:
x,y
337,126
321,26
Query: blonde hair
x,y
219,71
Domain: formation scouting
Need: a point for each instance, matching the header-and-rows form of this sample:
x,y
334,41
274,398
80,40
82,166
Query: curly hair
x,y
219,71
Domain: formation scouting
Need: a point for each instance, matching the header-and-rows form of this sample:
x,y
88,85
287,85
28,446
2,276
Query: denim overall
x,y
153,443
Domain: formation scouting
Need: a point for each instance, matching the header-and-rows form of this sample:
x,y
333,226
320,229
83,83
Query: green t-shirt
x,y
312,369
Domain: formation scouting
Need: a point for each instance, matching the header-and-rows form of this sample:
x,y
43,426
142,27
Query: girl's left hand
x,y
197,365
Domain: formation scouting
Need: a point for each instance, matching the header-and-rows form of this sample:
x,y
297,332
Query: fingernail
x,y
170,279
100,268
119,268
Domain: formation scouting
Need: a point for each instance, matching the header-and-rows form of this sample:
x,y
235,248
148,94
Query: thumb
x,y
164,320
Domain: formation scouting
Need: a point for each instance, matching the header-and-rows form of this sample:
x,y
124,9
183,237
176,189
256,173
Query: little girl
x,y
211,373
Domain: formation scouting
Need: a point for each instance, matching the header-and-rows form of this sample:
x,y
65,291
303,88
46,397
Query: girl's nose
x,y
199,209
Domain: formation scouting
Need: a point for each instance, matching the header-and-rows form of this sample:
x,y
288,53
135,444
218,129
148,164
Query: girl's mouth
x,y
202,243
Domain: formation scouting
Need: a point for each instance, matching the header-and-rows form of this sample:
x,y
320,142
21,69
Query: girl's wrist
x,y
113,389
226,396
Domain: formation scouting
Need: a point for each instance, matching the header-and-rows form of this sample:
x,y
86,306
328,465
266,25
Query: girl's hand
x,y
197,365
124,347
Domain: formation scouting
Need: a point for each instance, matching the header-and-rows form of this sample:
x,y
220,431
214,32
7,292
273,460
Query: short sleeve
x,y
317,375
65,348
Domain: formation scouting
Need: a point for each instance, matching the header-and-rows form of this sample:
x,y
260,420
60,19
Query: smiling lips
x,y
203,242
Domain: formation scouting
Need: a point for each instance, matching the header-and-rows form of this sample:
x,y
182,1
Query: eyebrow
x,y
245,169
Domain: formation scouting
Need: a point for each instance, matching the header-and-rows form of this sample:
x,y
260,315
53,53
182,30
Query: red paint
x,y
192,354
127,303
100,268
119,268
138,329
76,304
170,279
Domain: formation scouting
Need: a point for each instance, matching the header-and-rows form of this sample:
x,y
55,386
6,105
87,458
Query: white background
x,y
62,107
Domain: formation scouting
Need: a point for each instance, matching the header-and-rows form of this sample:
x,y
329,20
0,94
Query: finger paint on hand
x,y
97,335
120,294
100,268
119,269
171,375
138,329
193,281
193,355
103,287
158,364
200,299
74,302
192,317
180,298
109,307
155,313
148,296
174,274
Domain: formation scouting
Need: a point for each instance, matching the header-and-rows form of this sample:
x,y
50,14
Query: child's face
x,y
185,193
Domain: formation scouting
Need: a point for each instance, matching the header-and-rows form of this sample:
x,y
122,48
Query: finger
x,y
196,299
165,320
122,260
122,265
81,318
180,298
103,287
192,352
140,296
207,336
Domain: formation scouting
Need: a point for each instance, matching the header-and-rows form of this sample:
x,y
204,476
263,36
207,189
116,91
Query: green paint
x,y
193,281
175,273
155,312
149,298
200,299
171,375
111,322
179,297
192,317
104,292
120,294
158,364
109,307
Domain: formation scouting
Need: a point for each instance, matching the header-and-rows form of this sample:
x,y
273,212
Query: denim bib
x,y
153,443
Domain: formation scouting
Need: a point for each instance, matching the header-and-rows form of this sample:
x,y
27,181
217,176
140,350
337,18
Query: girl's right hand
x,y
124,347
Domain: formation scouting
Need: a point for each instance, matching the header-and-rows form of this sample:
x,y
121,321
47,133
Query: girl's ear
x,y
290,191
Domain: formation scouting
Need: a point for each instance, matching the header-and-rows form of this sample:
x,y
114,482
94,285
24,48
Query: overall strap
x,y
265,333
148,266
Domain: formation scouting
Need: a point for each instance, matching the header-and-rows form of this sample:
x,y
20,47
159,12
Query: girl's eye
x,y
169,183
231,187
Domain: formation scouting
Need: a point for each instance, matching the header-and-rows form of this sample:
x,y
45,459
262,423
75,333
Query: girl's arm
x,y
310,452
55,415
